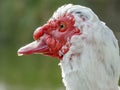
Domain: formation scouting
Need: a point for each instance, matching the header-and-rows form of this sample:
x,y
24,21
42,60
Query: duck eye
x,y
62,27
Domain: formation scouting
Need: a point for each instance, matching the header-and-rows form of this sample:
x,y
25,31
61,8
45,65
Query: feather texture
x,y
93,62
87,48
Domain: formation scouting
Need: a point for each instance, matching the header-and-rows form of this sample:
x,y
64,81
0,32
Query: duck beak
x,y
35,47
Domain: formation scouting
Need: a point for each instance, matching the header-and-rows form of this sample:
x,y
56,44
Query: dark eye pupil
x,y
61,26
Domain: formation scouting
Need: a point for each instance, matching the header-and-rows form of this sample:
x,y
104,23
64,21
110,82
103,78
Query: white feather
x,y
93,61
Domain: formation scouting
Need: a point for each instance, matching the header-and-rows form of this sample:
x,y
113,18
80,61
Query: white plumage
x,y
93,61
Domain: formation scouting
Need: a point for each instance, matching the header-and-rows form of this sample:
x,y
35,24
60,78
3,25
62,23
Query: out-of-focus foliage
x,y
18,20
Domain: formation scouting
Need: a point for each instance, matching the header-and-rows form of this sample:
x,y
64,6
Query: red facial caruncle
x,y
53,38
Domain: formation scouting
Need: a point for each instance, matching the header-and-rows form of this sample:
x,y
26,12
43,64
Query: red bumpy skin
x,y
52,38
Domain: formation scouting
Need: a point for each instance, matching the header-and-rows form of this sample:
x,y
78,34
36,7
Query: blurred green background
x,y
18,20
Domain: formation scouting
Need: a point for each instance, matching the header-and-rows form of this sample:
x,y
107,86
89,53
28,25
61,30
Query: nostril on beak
x,y
38,33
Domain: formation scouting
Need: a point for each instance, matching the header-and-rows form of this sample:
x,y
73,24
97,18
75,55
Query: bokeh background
x,y
18,20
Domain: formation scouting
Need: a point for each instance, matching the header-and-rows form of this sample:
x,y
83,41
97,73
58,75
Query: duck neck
x,y
88,71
